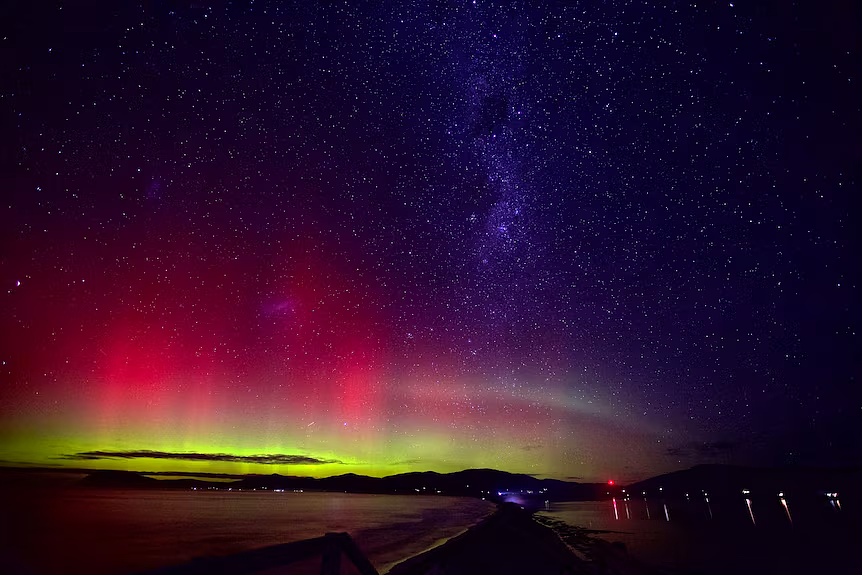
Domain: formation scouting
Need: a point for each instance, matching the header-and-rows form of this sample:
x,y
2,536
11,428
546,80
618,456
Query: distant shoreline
x,y
485,484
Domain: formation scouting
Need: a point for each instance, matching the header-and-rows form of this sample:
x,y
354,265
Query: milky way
x,y
575,241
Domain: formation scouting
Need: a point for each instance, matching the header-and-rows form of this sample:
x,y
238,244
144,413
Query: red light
x,y
610,482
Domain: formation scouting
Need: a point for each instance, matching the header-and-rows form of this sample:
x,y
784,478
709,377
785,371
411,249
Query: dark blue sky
x,y
568,227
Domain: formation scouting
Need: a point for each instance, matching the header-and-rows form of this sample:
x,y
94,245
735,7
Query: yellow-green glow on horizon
x,y
434,429
340,448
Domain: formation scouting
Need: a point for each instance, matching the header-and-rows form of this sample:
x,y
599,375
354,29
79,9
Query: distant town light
x,y
610,481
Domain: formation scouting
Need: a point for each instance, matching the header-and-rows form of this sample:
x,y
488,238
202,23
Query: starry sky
x,y
583,241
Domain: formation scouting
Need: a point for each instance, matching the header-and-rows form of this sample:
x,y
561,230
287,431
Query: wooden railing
x,y
330,548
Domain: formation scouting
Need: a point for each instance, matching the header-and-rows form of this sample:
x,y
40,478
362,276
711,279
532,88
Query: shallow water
x,y
112,532
684,536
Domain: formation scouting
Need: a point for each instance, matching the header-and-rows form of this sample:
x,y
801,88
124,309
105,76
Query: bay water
x,y
729,536
115,532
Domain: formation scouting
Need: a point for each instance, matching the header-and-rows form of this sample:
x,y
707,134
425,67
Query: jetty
x,y
508,542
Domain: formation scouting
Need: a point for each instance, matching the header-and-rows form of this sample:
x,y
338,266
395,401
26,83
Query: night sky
x,y
586,241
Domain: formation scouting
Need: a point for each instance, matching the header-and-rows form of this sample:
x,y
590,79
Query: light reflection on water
x,y
786,508
750,511
712,537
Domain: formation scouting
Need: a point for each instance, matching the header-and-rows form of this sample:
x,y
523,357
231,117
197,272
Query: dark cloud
x,y
265,459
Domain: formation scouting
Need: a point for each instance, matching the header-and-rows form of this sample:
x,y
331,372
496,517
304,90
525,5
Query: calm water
x,y
118,531
690,537
115,532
